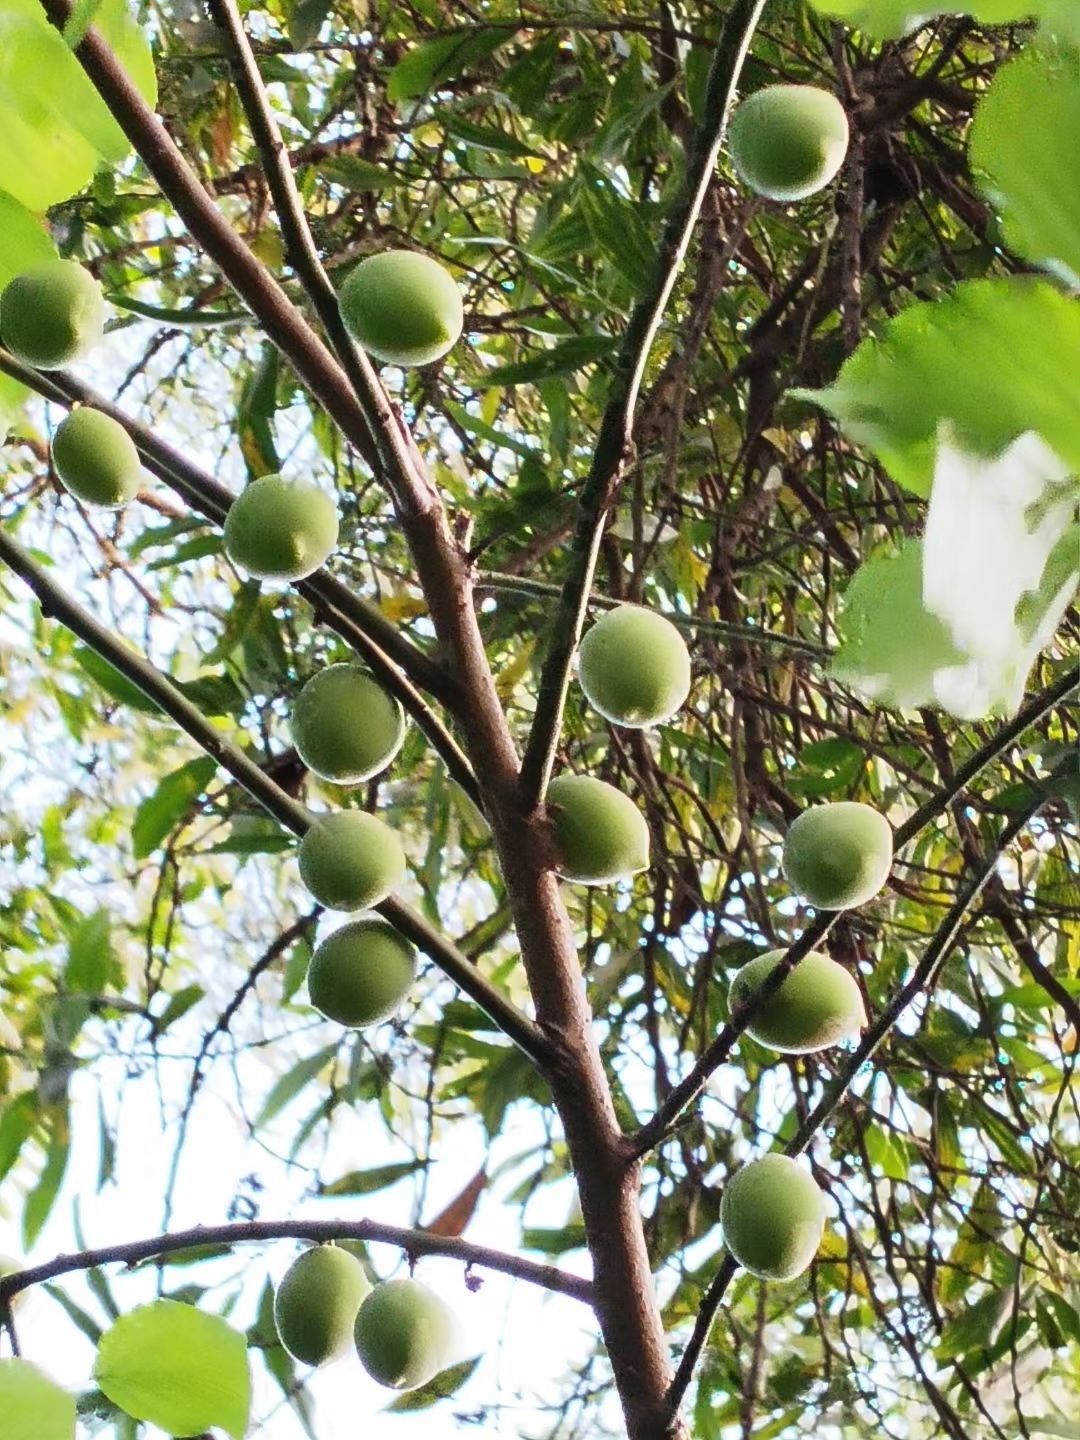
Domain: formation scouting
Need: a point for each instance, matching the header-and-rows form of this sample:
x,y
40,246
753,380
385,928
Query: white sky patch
x,y
989,532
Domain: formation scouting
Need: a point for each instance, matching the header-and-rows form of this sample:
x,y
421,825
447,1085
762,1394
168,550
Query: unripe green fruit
x,y
361,973
52,314
279,529
818,1004
96,459
317,1302
346,728
788,141
600,834
634,667
838,856
402,307
403,1334
351,860
773,1214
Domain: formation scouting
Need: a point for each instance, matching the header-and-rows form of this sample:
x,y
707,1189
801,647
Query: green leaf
x,y
170,802
353,173
885,19
179,1368
75,1313
306,19
24,241
179,1004
90,955
292,1082
42,1197
942,361
977,1325
447,1382
562,359
433,62
32,1406
1033,180
17,1122
113,681
366,1182
888,1153
555,1242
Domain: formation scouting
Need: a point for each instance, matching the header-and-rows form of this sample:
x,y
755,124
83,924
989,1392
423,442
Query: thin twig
x,y
415,1243
615,441
290,813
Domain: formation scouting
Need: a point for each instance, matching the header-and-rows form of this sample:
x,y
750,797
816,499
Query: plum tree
x,y
634,667
600,834
403,1334
817,1005
838,856
361,973
773,1216
96,459
345,727
402,307
788,141
351,860
316,1304
52,314
281,529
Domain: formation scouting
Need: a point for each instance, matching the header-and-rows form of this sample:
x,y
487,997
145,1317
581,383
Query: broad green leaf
x,y
17,1122
433,62
56,127
354,173
179,1004
365,1182
886,19
555,1242
113,681
943,361
305,21
170,802
1032,178
562,359
292,1082
888,1153
447,1382
978,1324
24,240
42,1197
91,959
31,1406
178,1367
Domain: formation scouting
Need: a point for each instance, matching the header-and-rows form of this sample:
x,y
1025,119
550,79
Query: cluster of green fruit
x,y
51,316
402,1331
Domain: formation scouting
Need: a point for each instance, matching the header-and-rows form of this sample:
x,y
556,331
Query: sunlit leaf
x,y
32,1407
886,19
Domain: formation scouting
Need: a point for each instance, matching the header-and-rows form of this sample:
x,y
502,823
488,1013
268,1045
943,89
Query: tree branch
x,y
415,1244
615,442
289,813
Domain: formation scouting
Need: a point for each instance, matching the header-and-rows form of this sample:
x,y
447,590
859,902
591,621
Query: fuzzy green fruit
x,y
360,974
838,856
317,1302
600,834
403,1334
346,728
52,314
96,459
279,529
634,667
773,1214
819,1004
402,307
788,141
351,860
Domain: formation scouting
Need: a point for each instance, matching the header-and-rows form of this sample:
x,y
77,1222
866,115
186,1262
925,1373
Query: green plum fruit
x,y
773,1214
404,1334
838,856
600,834
360,974
402,307
351,860
96,459
317,1302
52,314
345,727
634,667
788,141
819,1004
279,529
